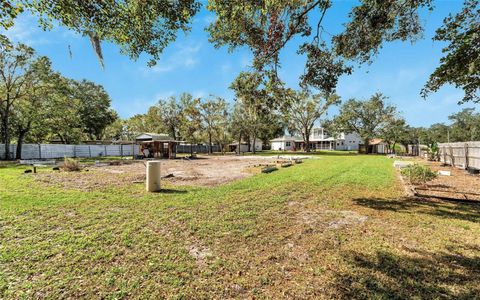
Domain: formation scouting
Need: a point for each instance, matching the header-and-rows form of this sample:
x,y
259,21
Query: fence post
x,y
105,150
89,151
75,151
452,158
466,155
444,155
121,150
40,151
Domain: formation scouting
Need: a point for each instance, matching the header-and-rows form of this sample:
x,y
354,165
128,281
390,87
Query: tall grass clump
x,y
71,164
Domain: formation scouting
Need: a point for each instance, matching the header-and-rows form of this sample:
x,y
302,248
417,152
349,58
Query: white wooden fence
x,y
197,148
463,154
49,151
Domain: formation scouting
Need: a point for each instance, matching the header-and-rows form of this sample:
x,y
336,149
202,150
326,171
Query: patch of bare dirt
x,y
200,254
205,171
332,219
459,185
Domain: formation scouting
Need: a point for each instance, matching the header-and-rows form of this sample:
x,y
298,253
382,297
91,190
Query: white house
x,y
286,143
319,140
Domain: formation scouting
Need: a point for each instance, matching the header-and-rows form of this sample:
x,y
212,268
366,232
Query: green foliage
x,y
396,131
191,119
418,174
214,114
255,107
465,126
433,152
366,118
38,104
304,110
19,73
94,110
375,22
8,12
461,64
138,27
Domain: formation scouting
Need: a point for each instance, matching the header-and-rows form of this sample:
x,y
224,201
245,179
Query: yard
x,y
333,227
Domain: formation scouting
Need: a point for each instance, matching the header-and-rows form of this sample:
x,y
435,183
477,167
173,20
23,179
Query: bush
x,y
433,152
71,165
418,174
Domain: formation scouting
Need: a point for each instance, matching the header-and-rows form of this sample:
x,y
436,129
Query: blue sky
x,y
193,65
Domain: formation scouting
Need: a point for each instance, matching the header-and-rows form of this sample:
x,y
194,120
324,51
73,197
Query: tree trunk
x,y
307,143
254,141
191,149
366,143
239,143
306,139
21,136
210,143
6,138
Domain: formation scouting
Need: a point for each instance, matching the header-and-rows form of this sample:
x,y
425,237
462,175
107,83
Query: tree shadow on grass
x,y
416,274
454,210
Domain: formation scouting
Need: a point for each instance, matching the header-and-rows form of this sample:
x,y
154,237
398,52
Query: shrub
x,y
433,152
71,165
418,174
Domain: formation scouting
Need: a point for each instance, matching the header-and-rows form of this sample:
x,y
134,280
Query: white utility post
x,y
153,176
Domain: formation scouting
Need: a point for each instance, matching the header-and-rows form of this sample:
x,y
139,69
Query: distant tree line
x,y
38,104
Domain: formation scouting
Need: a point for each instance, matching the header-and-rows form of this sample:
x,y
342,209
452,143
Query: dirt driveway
x,y
204,171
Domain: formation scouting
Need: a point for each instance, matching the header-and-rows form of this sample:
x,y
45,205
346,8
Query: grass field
x,y
333,227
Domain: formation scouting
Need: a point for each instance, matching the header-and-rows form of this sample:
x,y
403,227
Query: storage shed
x,y
157,145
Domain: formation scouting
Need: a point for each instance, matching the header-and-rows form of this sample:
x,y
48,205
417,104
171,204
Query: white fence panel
x,y
51,151
462,154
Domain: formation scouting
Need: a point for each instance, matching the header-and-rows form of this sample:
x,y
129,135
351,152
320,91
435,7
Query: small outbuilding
x,y
375,146
157,145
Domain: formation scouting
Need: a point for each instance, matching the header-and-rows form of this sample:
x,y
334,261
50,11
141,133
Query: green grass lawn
x,y
301,153
333,227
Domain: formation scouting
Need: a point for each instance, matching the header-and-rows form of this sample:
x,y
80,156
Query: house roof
x,y
257,142
375,141
285,138
154,137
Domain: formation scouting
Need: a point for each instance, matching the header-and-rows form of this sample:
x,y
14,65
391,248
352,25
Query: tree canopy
x,y
137,27
266,27
366,118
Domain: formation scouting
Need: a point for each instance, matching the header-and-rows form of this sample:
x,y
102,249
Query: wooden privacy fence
x,y
197,148
462,154
49,151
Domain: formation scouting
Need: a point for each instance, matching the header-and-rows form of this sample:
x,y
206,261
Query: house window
x,y
287,144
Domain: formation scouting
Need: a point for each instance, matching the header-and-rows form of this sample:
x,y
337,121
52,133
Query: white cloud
x,y
199,94
25,31
184,56
141,105
226,67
